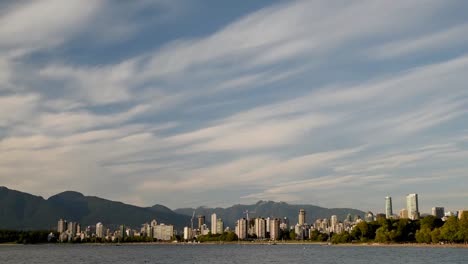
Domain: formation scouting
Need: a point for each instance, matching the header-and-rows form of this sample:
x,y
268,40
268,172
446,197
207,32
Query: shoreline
x,y
256,243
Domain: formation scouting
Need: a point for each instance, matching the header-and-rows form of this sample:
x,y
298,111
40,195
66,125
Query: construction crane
x,y
246,212
191,220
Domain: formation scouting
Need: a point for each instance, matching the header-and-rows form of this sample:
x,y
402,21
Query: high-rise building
x,y
201,221
241,228
61,226
301,217
219,226
99,230
388,207
274,228
71,228
163,232
284,224
213,223
404,213
260,227
122,232
412,206
438,212
333,222
268,224
188,233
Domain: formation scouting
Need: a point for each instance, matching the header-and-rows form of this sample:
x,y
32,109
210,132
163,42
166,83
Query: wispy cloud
x,y
262,107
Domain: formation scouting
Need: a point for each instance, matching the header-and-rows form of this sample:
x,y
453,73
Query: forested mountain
x,y
271,209
20,210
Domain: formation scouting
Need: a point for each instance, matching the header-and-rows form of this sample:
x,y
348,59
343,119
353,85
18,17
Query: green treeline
x,y
427,230
225,237
26,237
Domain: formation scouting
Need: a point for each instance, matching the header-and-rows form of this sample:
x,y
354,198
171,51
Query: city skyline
x,y
215,103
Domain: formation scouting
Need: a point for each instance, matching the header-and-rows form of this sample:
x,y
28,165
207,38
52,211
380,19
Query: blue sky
x,y
187,103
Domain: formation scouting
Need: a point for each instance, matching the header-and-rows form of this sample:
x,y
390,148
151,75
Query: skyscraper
x,y
241,228
99,230
274,228
333,222
219,226
388,207
284,225
301,217
438,212
213,223
61,226
260,227
201,221
412,206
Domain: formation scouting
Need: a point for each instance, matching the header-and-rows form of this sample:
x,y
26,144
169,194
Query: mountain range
x,y
19,210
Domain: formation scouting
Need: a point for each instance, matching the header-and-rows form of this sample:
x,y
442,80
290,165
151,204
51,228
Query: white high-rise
x,y
260,227
241,228
412,206
274,228
214,221
100,230
61,226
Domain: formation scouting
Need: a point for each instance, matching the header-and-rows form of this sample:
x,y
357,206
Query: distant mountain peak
x,y
67,195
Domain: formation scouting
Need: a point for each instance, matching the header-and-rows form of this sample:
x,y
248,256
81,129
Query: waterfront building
x,y
412,206
188,233
388,207
99,230
71,228
204,230
268,224
163,232
201,221
61,226
274,228
284,223
154,223
260,227
299,231
438,212
213,224
241,228
301,218
333,223
122,232
219,226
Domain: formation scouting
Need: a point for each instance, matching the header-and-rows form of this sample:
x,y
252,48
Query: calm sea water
x,y
94,254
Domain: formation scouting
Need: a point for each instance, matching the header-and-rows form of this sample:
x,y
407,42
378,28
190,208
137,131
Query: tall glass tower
x,y
412,206
388,207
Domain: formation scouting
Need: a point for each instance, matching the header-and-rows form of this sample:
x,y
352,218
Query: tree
x,y
292,234
361,232
449,230
435,235
463,228
424,235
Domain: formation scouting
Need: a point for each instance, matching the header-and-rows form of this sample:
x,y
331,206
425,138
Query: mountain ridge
x,y
271,209
20,210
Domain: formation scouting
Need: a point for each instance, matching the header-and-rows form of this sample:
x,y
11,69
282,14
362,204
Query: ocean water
x,y
94,254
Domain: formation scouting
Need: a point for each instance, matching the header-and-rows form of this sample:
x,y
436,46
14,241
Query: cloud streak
x,y
297,101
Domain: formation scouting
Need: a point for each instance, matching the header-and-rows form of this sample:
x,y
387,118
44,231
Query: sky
x,y
215,103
